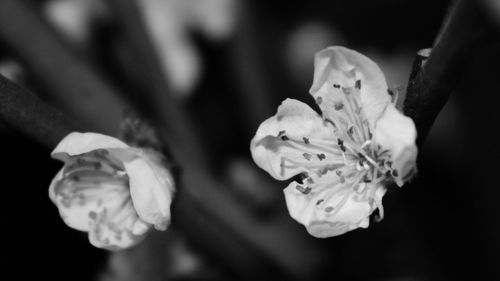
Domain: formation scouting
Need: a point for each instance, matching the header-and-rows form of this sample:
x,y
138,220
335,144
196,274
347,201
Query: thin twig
x,y
435,76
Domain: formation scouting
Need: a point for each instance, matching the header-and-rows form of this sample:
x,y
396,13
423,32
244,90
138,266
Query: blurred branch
x,y
165,110
249,70
68,80
27,114
434,76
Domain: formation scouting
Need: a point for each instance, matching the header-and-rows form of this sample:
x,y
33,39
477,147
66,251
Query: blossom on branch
x,y
341,160
113,191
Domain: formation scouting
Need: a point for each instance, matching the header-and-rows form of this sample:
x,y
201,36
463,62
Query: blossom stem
x,y
435,76
26,113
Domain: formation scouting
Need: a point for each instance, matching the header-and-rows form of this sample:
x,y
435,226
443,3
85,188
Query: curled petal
x,y
333,208
337,69
293,141
80,143
397,133
78,200
151,188
117,228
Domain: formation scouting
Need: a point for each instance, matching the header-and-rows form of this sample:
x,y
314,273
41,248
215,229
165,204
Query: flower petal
x,y
78,143
397,133
338,67
151,188
332,208
117,228
293,141
77,200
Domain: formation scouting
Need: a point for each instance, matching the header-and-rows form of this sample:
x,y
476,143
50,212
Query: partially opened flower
x,y
344,158
111,190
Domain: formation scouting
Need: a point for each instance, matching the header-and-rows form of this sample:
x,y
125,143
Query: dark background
x,y
443,226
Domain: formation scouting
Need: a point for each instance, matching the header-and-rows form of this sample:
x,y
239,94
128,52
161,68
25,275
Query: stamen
x,y
319,100
395,173
340,142
357,85
303,190
307,156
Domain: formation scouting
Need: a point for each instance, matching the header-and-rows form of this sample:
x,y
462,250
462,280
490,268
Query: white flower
x,y
111,190
344,158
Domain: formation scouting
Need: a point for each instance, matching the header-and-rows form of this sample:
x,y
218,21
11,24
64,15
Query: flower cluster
x,y
113,191
343,159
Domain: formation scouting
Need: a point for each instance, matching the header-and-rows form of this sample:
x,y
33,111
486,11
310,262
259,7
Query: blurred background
x,y
205,73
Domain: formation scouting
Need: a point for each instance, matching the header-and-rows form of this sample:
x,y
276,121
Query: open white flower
x,y
111,190
345,157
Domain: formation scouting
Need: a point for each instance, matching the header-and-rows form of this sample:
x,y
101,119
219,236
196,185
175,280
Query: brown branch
x,y
435,76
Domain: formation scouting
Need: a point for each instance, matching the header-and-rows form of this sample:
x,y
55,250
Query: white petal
x,y
78,201
305,132
117,232
342,66
78,143
348,209
55,180
397,133
151,188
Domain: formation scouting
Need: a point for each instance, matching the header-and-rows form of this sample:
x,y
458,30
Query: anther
x,y
340,142
338,106
366,179
320,201
336,86
328,209
395,173
307,156
350,130
321,156
319,100
357,85
303,190
306,140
